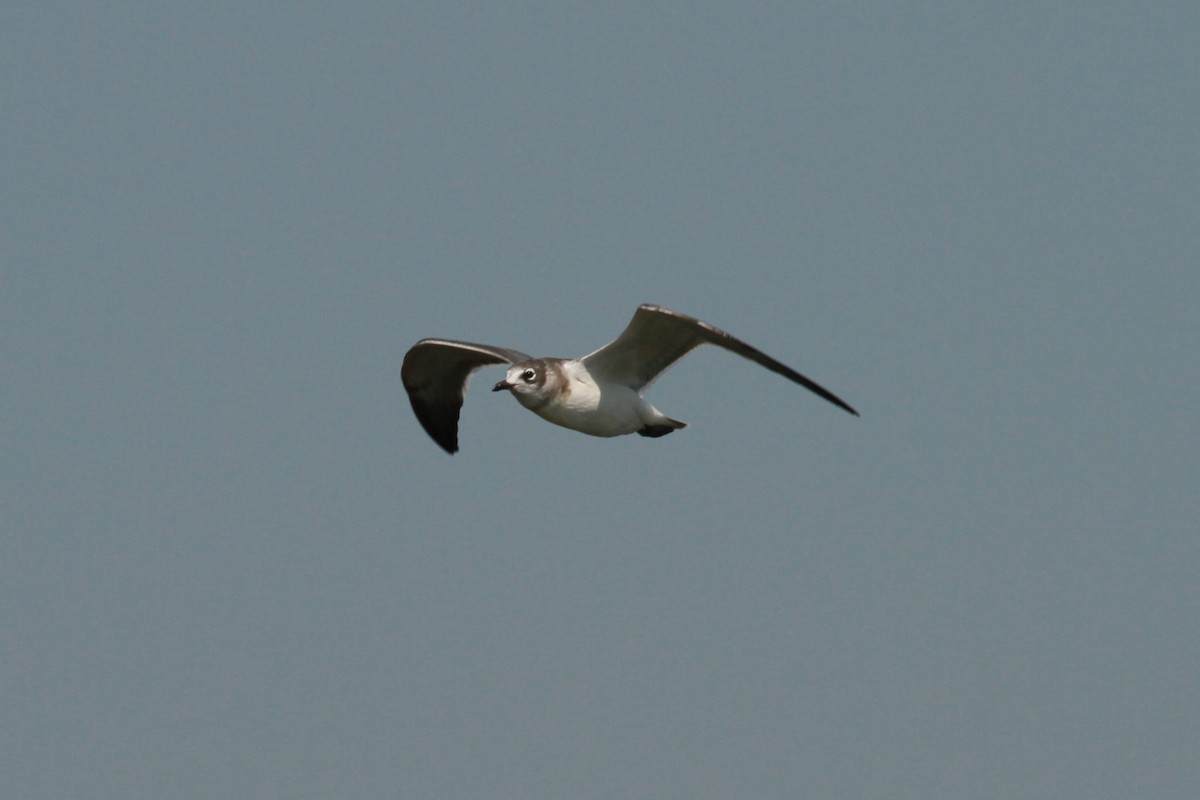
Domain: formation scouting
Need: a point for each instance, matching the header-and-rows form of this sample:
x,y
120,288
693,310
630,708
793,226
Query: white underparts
x,y
607,410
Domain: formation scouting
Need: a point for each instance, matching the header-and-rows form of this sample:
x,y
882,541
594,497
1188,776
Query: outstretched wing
x,y
657,337
435,375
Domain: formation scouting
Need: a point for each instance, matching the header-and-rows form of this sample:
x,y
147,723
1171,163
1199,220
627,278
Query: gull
x,y
599,394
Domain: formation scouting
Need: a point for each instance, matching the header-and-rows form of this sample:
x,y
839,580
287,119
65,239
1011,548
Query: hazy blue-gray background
x,y
234,566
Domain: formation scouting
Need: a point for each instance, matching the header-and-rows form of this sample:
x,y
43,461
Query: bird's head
x,y
527,382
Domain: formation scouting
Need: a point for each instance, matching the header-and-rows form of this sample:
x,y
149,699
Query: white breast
x,y
584,406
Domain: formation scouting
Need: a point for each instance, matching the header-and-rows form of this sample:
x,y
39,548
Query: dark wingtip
x,y
824,393
846,407
446,437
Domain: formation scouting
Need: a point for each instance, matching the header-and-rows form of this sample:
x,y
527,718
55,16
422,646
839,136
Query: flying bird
x,y
599,394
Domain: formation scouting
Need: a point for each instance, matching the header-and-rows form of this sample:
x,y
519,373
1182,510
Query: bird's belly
x,y
613,413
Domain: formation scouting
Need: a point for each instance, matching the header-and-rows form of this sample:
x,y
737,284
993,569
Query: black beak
x,y
501,386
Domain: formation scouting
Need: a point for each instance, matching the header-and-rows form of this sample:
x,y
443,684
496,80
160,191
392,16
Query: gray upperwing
x,y
657,337
652,341
435,375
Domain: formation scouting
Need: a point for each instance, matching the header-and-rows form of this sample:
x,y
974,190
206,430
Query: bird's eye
x,y
528,375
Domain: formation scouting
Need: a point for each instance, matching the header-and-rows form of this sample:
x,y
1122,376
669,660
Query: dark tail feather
x,y
655,431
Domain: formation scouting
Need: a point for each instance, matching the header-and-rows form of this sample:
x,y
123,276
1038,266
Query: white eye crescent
x,y
528,375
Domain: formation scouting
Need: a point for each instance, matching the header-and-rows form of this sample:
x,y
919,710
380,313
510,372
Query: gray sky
x,y
234,566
